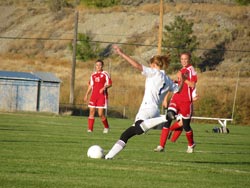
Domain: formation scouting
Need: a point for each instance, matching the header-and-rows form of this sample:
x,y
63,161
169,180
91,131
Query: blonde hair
x,y
160,60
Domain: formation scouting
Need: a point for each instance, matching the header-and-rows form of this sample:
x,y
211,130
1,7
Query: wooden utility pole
x,y
160,28
72,83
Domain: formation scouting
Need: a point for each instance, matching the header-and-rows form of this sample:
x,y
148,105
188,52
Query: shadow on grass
x,y
80,110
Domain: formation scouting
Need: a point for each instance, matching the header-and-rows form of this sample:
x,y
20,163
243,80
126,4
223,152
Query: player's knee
x,y
186,125
138,128
103,118
170,115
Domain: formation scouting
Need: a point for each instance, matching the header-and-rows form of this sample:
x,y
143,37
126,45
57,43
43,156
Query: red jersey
x,y
98,80
185,95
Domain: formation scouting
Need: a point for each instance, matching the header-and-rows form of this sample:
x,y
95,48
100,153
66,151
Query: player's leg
x,y
125,136
91,119
176,130
186,112
151,117
189,135
165,131
101,104
152,122
176,134
103,119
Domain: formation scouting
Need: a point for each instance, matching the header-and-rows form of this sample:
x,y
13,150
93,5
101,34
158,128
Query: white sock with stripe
x,y
117,147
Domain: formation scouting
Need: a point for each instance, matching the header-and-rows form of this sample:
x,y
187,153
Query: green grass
x,y
43,151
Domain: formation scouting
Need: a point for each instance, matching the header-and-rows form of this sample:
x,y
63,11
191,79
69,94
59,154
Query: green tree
x,y
177,38
101,3
243,2
86,50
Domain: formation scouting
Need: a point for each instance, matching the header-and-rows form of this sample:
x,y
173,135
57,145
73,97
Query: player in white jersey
x,y
157,84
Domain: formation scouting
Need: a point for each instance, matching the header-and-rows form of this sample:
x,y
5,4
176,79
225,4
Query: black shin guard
x,y
170,115
131,131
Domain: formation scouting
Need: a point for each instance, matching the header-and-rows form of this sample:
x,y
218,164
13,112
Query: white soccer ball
x,y
95,152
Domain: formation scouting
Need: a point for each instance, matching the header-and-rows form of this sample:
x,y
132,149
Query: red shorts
x,y
98,102
184,109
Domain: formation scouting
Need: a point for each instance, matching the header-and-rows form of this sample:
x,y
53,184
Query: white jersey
x,y
157,84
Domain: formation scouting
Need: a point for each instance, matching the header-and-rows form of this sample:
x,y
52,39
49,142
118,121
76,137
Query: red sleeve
x,y
194,78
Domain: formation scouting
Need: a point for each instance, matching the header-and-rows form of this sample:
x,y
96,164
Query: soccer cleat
x,y
108,158
89,131
159,149
190,149
105,130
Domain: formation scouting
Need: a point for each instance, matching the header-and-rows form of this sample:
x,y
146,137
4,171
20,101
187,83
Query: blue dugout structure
x,y
22,91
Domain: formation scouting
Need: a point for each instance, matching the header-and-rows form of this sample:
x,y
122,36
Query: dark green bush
x,y
101,3
243,2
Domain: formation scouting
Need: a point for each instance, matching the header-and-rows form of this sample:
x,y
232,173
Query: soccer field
x,y
45,151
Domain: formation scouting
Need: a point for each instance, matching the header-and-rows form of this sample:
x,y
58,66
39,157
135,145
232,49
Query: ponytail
x,y
161,60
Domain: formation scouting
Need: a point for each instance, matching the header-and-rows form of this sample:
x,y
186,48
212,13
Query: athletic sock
x,y
91,122
117,147
176,134
164,136
175,126
189,136
105,123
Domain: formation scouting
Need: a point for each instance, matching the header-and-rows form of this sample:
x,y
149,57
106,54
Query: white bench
x,y
222,121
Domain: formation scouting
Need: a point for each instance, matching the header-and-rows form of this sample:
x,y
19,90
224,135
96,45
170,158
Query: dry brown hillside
x,y
32,38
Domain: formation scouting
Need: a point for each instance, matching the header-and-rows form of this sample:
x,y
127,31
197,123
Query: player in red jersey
x,y
177,127
99,83
181,104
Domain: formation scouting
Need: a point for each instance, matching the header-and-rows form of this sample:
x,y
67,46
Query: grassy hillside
x,y
32,38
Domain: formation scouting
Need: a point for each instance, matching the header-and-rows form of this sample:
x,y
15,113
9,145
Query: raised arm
x,y
134,63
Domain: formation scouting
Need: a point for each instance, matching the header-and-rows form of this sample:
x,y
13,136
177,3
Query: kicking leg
x,y
126,135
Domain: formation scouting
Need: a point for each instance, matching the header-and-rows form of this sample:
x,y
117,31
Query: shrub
x,y
179,37
101,3
242,2
86,50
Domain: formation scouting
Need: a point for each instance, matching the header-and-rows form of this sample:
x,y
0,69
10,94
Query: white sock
x,y
117,147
